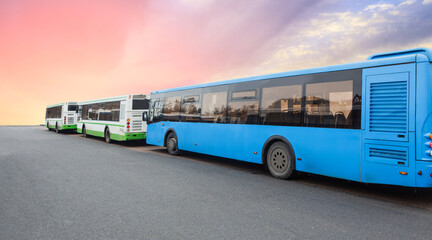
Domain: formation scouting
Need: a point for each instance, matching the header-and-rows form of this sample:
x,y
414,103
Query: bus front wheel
x,y
280,160
172,144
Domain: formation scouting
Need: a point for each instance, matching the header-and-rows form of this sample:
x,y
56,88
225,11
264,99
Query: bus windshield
x,y
140,104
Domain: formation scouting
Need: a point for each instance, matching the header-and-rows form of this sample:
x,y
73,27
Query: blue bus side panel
x,y
329,152
424,125
389,164
425,178
424,111
389,122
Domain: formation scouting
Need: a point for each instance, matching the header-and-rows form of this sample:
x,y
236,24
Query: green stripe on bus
x,y
117,137
94,133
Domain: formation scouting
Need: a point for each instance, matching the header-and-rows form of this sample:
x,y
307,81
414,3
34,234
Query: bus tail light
x,y
65,120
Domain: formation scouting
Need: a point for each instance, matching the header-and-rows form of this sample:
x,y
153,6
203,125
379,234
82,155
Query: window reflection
x,y
281,105
243,112
109,111
171,109
214,107
156,109
328,104
53,112
190,109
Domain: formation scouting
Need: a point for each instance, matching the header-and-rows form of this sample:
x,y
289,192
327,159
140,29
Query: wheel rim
x,y
107,138
172,144
279,160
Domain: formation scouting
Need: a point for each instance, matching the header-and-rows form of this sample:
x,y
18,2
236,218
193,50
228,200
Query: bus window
x,y
328,104
85,110
281,105
171,109
92,112
72,107
109,111
156,110
214,107
190,109
54,112
242,108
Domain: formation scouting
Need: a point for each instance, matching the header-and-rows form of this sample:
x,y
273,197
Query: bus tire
x,y
56,129
84,133
172,144
280,160
107,135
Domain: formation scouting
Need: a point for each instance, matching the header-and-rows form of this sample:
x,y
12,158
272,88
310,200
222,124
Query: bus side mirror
x,y
145,116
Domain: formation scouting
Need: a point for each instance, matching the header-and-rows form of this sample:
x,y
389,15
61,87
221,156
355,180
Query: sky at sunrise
x,y
75,50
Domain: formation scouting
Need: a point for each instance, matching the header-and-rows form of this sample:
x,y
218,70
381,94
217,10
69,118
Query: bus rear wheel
x,y
107,136
56,129
172,144
280,160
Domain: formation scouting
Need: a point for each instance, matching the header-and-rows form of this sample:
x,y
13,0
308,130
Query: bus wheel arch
x,y
167,133
282,146
171,142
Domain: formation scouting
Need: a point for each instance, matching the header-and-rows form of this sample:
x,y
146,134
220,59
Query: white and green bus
x,y
61,116
117,118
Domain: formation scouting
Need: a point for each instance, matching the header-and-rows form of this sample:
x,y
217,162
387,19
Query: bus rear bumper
x,y
423,174
69,127
129,136
135,136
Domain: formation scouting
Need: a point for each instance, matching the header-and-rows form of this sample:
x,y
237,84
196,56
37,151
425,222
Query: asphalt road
x,y
62,186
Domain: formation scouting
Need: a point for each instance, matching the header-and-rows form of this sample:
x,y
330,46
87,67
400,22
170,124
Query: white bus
x,y
61,116
118,118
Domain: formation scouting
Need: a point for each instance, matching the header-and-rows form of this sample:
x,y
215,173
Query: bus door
x,y
388,121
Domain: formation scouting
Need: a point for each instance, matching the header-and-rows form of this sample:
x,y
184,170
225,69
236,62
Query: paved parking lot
x,y
62,186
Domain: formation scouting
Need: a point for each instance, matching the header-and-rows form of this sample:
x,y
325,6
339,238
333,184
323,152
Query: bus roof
x,y
60,104
123,97
55,105
397,57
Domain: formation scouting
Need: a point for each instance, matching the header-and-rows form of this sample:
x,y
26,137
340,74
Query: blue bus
x,y
368,122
